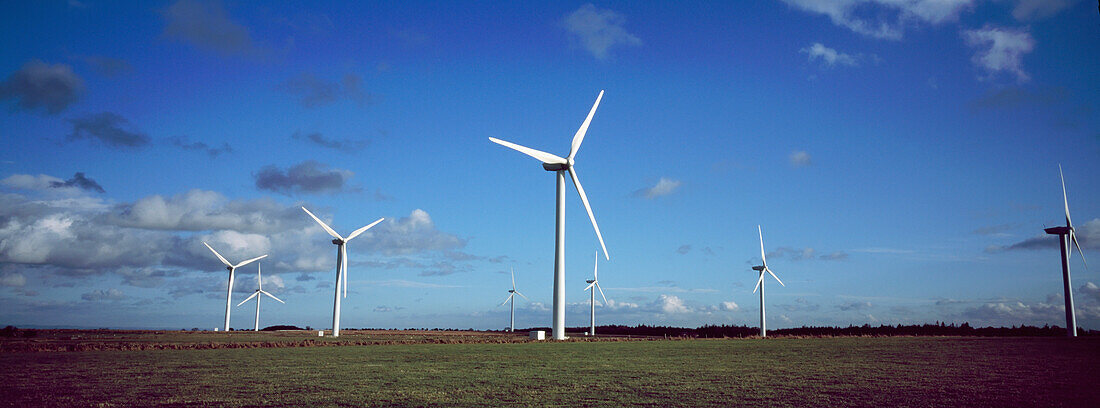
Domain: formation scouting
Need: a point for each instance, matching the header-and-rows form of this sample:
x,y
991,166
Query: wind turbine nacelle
x,y
229,268
336,242
589,281
1058,230
555,166
758,268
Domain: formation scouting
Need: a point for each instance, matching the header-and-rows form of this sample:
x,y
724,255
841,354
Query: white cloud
x,y
664,186
884,19
1037,9
1090,291
411,234
13,279
670,304
665,289
99,294
828,56
400,283
1000,50
797,254
854,306
730,306
800,159
155,238
599,30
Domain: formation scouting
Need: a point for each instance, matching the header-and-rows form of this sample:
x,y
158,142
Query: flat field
x,y
898,371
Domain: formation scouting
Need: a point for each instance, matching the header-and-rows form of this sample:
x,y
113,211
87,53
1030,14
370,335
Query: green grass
x,y
774,372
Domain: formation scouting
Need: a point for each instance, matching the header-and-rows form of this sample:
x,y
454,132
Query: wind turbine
x,y
594,284
760,282
229,292
1065,235
341,265
560,166
512,297
256,294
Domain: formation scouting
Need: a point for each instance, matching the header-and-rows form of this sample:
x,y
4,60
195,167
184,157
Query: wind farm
x,y
902,154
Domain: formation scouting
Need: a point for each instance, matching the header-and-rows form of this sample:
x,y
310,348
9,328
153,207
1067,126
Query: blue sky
x,y
901,156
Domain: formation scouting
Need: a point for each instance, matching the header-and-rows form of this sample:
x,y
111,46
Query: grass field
x,y
900,371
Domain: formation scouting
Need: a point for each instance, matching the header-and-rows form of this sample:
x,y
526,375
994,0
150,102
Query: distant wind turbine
x,y
760,282
341,265
1065,235
512,298
560,166
259,290
594,285
231,268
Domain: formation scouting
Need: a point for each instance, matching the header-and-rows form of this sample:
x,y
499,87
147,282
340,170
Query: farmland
x,y
862,371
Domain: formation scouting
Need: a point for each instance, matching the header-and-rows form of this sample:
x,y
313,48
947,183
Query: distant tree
x,y
281,327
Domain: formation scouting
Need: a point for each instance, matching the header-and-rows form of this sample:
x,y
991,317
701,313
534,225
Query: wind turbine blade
x,y
584,199
323,225
601,292
1073,236
217,254
759,282
259,278
513,278
248,298
273,297
506,300
773,275
761,233
249,261
596,267
590,285
344,267
579,136
1065,200
538,154
361,230
525,297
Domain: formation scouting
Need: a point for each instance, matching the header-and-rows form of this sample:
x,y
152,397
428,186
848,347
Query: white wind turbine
x,y
760,282
560,166
229,292
259,290
341,265
1065,235
594,285
512,298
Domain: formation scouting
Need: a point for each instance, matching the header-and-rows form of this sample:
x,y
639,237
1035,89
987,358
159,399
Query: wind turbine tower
x,y
760,282
1065,235
231,268
341,265
512,298
560,166
259,290
594,285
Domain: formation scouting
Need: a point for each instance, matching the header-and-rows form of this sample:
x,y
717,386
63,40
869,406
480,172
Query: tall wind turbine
x,y
594,285
760,282
512,298
1065,235
341,265
231,268
256,294
560,166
